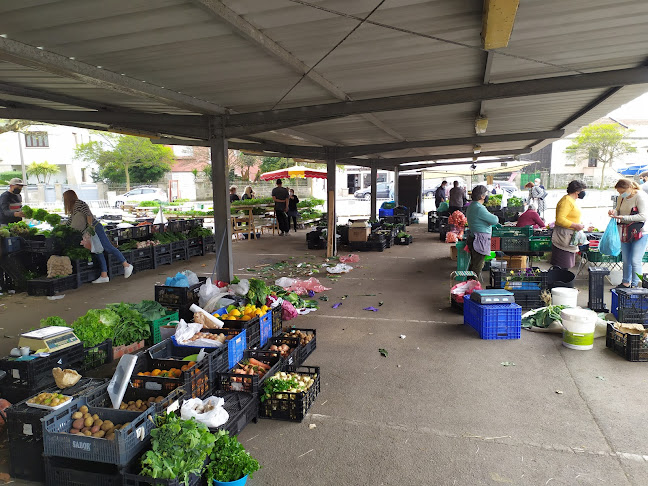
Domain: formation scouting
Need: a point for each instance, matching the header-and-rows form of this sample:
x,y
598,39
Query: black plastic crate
x,y
160,260
375,245
404,240
141,254
195,380
178,245
96,356
179,298
195,241
520,279
39,244
516,243
180,255
115,267
193,223
128,442
318,244
528,299
194,251
51,286
630,346
157,228
85,271
124,234
277,320
132,477
143,265
306,349
597,288
292,359
37,372
141,232
24,422
632,305
176,226
292,406
164,249
170,400
242,408
26,460
231,381
71,472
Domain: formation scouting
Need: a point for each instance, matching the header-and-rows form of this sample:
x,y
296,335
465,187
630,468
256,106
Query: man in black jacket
x,y
11,202
440,194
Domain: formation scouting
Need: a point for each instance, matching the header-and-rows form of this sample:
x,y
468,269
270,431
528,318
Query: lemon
x,y
231,318
259,313
235,313
264,309
246,317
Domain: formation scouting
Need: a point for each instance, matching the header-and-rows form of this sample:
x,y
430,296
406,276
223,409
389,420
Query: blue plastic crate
x,y
614,308
493,321
252,327
383,213
265,322
630,305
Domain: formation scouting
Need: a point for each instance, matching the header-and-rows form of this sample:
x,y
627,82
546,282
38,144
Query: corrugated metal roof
x,y
183,47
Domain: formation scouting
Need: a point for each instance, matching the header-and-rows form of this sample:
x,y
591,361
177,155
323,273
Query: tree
x,y
15,125
603,142
208,172
132,157
43,171
268,164
243,162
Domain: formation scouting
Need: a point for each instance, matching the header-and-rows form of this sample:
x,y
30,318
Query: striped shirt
x,y
79,216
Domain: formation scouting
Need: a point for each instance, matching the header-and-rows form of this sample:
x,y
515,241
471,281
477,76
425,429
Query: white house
x,y
47,143
564,169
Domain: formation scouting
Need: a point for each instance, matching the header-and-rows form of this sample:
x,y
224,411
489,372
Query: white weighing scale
x,y
49,339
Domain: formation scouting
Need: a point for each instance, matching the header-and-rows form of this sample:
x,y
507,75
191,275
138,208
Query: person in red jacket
x,y
530,218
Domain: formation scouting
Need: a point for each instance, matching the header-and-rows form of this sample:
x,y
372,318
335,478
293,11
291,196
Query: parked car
x,y
140,194
383,191
429,190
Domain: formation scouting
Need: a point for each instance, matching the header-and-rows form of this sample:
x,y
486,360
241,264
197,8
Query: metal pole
x,y
374,190
331,168
222,226
396,169
25,195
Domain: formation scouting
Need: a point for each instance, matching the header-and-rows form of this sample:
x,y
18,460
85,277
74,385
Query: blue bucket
x,y
238,482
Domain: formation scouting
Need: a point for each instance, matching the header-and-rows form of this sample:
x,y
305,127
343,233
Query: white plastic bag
x,y
285,282
207,292
339,268
95,244
241,288
159,218
209,411
192,278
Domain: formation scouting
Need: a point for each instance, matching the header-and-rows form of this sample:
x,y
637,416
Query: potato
x,y
107,425
95,417
74,431
110,436
138,403
95,429
87,433
88,422
123,406
99,434
78,424
150,399
77,415
159,399
98,423
83,409
86,415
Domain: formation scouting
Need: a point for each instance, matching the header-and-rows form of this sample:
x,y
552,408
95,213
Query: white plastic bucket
x,y
564,296
578,328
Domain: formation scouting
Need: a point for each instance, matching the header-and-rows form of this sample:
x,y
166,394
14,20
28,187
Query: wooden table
x,y
248,220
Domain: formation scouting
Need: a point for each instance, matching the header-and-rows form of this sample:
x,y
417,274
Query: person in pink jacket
x,y
530,218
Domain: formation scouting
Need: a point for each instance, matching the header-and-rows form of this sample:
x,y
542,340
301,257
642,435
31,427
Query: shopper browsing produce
x,y
631,212
82,219
568,216
11,202
480,223
457,198
530,217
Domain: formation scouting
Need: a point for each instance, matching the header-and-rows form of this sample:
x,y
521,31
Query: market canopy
x,y
633,170
298,171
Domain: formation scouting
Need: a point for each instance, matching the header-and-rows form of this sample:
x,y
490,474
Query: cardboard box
x,y
514,262
359,234
453,253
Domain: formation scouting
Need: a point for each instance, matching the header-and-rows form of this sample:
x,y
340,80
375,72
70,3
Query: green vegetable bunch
x,y
27,212
79,253
402,234
53,321
150,310
53,219
96,326
252,202
514,202
21,229
179,448
310,202
494,200
258,293
168,237
4,233
199,231
131,328
229,460
544,317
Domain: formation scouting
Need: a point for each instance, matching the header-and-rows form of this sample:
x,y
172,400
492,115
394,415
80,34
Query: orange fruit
x,y
156,372
246,317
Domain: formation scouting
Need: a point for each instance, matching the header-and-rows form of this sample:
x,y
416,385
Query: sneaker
x,y
621,286
128,271
101,280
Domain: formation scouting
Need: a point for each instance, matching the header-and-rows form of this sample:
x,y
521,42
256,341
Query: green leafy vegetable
x,y
179,448
150,310
27,212
544,317
258,292
229,460
96,326
131,327
53,321
79,253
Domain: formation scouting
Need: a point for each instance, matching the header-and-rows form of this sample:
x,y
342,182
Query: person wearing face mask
x,y
631,213
480,223
11,202
538,194
568,216
644,182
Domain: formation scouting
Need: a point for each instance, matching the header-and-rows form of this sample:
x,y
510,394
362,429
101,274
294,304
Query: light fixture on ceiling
x,y
504,164
473,167
477,149
481,123
475,158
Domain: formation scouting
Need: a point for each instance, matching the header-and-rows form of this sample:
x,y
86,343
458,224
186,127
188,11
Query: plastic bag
x,y
160,217
301,287
86,241
351,258
611,241
451,237
285,282
209,411
241,288
288,311
464,288
443,207
192,278
339,268
207,291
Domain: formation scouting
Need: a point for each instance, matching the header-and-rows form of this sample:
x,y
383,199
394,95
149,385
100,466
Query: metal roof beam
x,y
316,152
497,22
515,89
25,55
391,162
461,162
354,151
262,40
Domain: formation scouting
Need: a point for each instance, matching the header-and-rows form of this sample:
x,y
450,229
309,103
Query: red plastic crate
x,y
496,242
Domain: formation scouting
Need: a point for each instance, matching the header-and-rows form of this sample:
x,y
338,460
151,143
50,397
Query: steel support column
x,y
396,171
331,168
220,185
374,191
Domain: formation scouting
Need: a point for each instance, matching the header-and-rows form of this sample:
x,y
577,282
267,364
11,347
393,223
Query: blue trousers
x,y
105,242
632,254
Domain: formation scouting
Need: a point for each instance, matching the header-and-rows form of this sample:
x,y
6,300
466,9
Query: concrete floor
x,y
440,409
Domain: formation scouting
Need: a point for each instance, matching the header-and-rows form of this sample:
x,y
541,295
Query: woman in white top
x,y
631,213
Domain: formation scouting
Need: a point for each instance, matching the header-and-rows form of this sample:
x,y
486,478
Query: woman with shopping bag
x,y
568,216
631,213
82,219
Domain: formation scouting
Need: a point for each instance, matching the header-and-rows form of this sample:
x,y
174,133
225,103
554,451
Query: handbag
x,y
561,238
630,232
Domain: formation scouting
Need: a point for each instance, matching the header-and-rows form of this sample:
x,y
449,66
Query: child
x,y
292,208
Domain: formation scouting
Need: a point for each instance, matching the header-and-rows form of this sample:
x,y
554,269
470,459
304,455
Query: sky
x,y
636,109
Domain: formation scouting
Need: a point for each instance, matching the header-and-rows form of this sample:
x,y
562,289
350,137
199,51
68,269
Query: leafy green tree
x,y
43,171
5,177
243,162
268,164
15,125
208,172
604,141
134,157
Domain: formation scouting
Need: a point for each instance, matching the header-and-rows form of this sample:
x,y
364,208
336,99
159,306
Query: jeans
x,y
105,242
632,254
282,221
